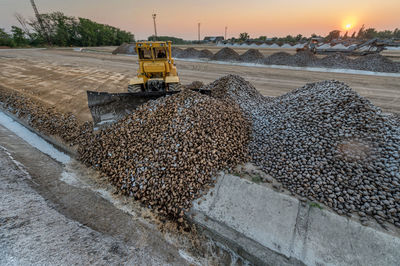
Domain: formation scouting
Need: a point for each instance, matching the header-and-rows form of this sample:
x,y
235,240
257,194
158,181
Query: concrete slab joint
x,y
272,222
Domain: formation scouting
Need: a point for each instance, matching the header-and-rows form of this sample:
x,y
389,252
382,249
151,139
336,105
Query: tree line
x,y
362,34
174,40
62,30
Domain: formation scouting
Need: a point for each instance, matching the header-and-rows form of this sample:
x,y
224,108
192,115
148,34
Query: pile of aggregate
x,y
326,143
45,118
166,153
189,53
252,55
375,62
125,48
205,53
336,60
226,54
280,58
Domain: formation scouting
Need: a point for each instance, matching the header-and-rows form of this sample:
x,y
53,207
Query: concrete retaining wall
x,y
278,229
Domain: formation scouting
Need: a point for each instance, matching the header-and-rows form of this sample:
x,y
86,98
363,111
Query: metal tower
x,y
39,19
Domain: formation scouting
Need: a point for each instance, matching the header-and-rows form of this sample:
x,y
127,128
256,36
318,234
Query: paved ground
x,y
64,214
46,220
61,77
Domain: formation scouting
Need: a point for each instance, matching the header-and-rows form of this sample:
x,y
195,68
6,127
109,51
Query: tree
x,y
298,37
174,40
370,33
18,36
6,39
396,33
353,36
262,38
244,36
70,31
345,36
335,34
361,33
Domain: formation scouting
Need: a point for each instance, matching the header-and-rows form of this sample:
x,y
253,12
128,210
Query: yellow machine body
x,y
155,65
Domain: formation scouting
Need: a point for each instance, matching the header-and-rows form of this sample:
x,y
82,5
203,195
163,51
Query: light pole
x,y
155,27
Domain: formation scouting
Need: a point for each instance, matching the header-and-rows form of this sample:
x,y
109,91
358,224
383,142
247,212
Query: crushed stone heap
x,y
326,143
167,151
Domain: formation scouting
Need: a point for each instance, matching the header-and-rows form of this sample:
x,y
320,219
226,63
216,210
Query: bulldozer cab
x,y
153,50
156,77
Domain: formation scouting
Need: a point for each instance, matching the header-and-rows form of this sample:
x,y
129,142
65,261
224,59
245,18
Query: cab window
x,y
144,53
160,52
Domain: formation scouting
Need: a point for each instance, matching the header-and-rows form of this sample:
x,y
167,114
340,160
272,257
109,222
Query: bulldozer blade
x,y
107,108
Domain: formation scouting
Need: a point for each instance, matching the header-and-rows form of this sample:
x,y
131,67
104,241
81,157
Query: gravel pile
x,y
205,53
280,58
226,54
252,55
375,62
326,143
166,153
125,48
336,60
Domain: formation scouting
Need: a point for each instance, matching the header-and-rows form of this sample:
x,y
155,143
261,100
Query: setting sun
x,y
349,22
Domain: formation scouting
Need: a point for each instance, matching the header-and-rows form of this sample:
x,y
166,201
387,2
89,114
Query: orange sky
x,y
257,17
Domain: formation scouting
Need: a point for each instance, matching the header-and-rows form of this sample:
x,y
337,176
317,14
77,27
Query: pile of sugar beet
x,y
167,153
322,142
325,143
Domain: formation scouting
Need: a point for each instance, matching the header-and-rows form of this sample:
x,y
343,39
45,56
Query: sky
x,y
257,17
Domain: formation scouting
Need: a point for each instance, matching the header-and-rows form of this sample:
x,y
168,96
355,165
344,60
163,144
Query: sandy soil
x,y
61,77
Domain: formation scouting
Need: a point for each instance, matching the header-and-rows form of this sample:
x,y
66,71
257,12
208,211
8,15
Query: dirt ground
x,y
61,77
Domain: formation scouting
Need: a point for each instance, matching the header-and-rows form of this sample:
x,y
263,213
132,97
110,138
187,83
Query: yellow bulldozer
x,y
157,71
156,77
